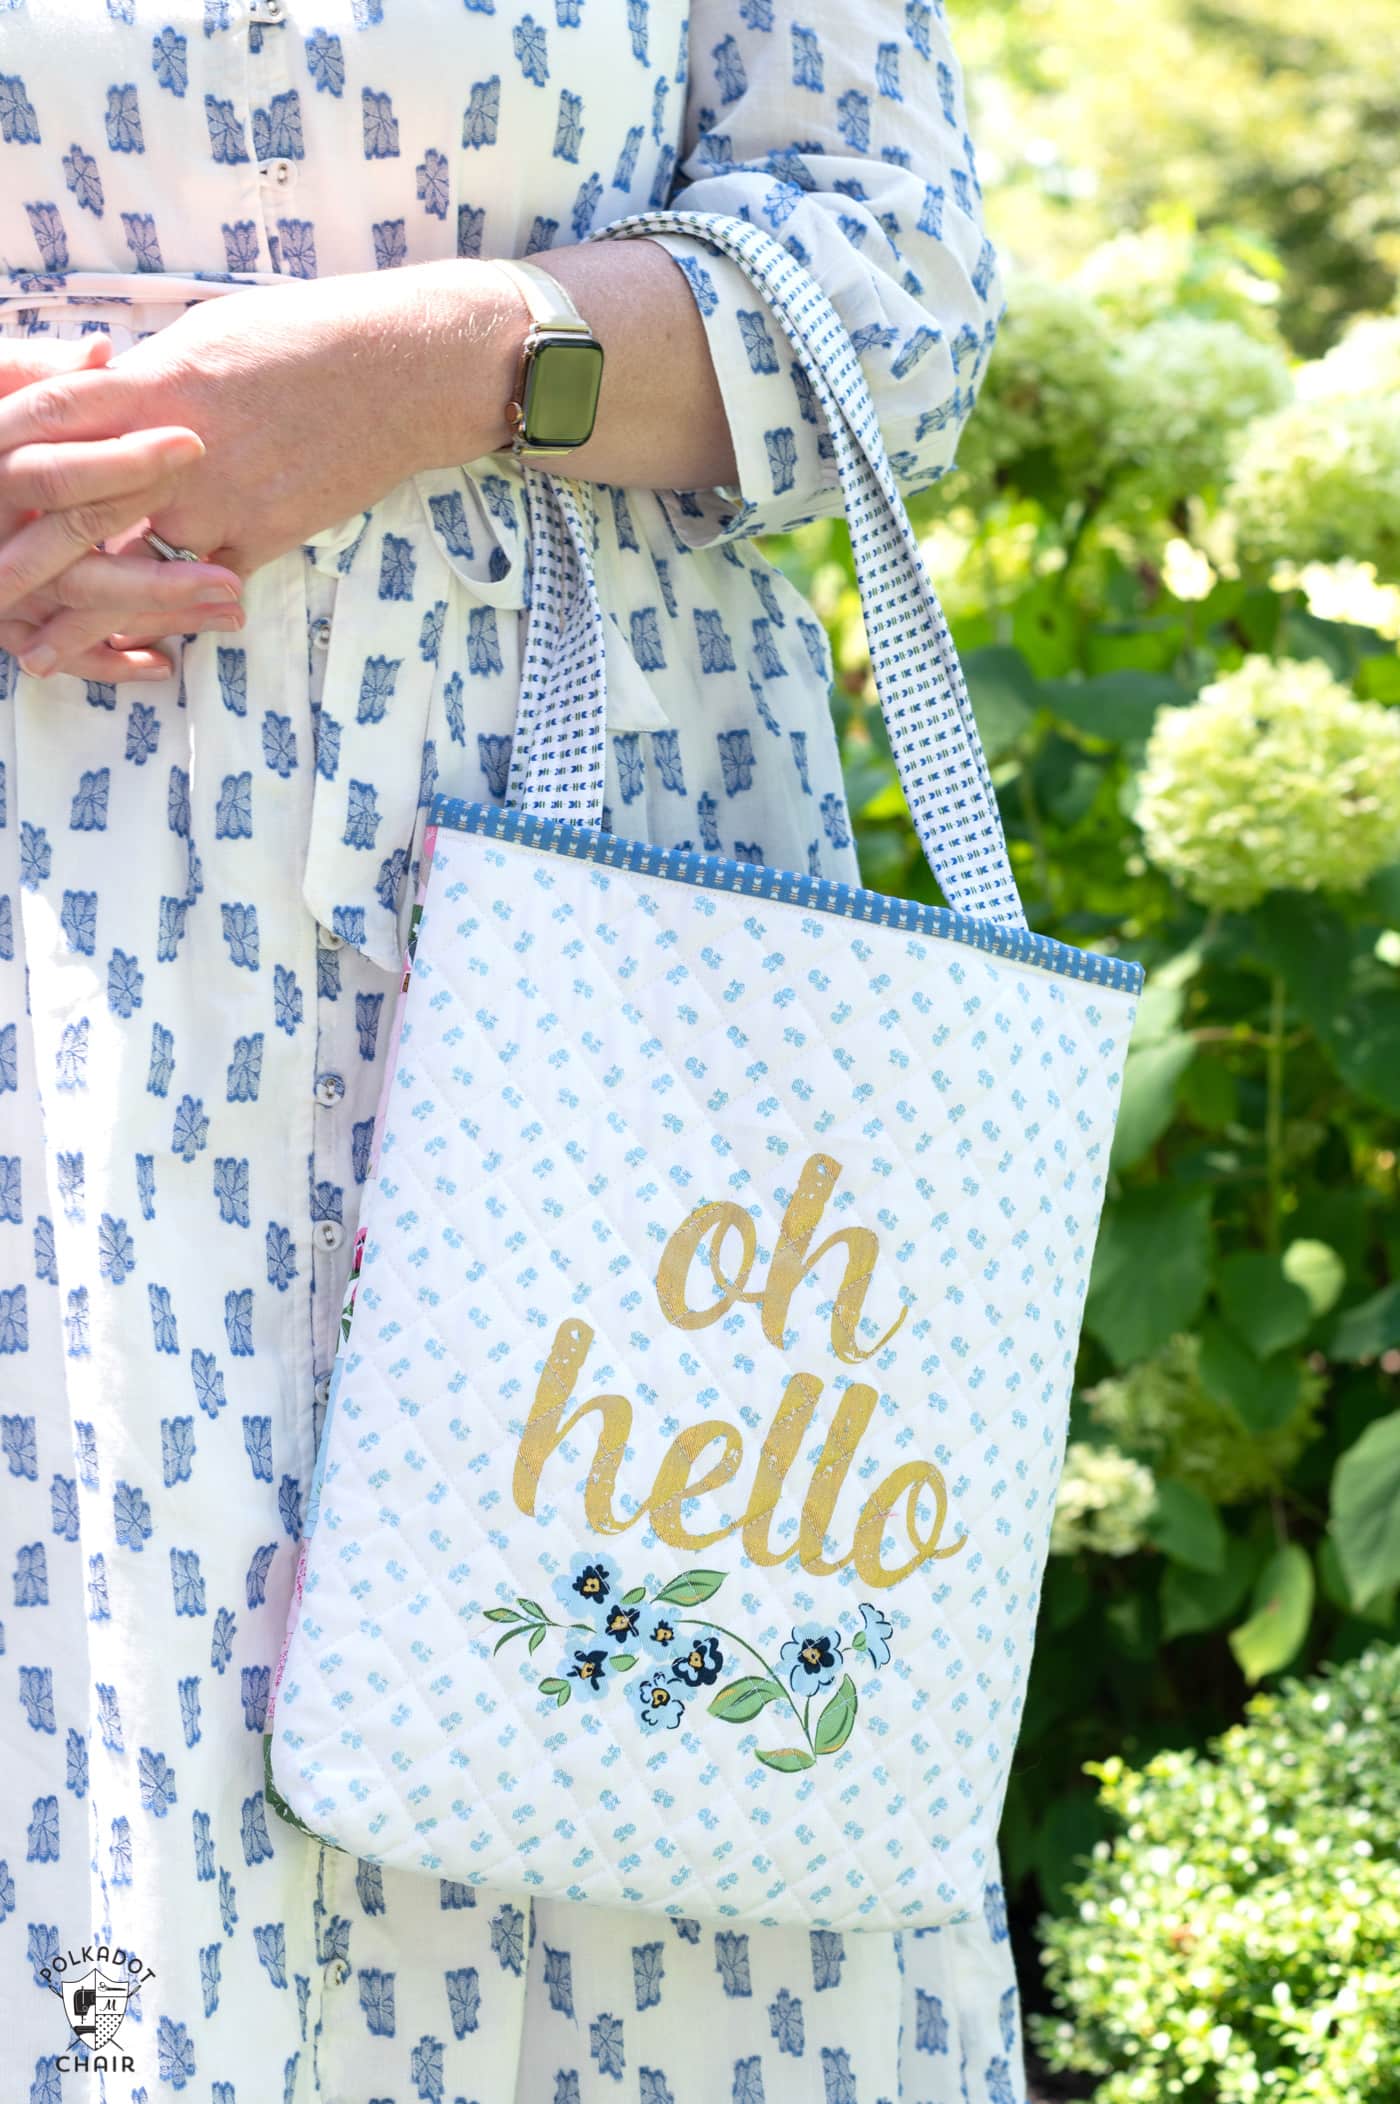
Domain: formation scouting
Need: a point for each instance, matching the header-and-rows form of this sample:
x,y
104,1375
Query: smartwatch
x,y
561,368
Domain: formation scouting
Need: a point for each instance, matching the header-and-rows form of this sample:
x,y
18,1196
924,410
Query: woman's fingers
x,y
27,358
120,585
65,643
104,661
41,548
73,475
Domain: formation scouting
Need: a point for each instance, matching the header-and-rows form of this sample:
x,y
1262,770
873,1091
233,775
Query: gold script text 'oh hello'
x,y
548,1427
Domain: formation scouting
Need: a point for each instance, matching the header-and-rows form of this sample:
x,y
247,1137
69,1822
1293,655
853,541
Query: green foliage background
x,y
1237,164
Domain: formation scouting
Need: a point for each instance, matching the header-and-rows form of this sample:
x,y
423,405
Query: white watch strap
x,y
549,304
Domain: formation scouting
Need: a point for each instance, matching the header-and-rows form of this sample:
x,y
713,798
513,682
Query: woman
x,y
252,307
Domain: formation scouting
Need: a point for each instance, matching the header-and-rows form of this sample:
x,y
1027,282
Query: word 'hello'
x,y
547,1426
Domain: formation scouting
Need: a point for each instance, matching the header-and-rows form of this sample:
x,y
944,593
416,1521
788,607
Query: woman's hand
x,y
313,399
94,492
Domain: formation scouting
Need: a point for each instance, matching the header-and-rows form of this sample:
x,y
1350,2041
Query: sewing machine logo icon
x,y
95,2006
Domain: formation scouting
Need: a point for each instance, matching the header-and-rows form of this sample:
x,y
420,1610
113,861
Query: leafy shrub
x,y
1239,1939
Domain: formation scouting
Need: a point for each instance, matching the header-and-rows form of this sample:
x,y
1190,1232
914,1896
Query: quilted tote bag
x,y
684,1497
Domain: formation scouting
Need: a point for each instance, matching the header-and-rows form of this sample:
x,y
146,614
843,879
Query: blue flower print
x,y
588,1665
659,1632
732,1962
648,1971
699,1664
528,39
168,61
425,2068
586,1588
463,1999
72,1061
156,1778
619,1624
482,113
785,2023
175,2053
605,2044
812,1658
748,2081
115,1250
877,1631
658,1706
508,1938
994,1907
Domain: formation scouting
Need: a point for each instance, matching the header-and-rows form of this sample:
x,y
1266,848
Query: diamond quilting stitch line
x,y
925,1075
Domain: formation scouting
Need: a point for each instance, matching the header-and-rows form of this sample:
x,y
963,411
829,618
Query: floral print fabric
x,y
204,887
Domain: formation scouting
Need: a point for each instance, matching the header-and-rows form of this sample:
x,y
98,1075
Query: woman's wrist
x,y
451,353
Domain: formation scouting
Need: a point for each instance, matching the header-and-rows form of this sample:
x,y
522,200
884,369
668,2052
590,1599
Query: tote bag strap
x,y
559,753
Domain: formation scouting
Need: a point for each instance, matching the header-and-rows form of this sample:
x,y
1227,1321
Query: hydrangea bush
x,y
1238,1939
1188,686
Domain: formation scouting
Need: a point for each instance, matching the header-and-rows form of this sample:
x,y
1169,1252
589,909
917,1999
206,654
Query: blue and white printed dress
x,y
203,891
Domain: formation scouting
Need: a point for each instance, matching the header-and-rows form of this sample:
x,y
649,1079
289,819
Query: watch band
x,y
552,313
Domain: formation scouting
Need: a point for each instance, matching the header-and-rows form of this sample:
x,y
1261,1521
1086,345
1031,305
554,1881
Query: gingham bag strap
x,y
933,734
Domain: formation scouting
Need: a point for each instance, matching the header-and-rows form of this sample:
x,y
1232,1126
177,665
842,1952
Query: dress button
x,y
329,1233
321,634
338,1972
280,171
272,9
329,940
329,1089
323,1388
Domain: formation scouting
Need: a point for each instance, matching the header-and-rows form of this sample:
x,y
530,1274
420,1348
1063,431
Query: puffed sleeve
x,y
839,127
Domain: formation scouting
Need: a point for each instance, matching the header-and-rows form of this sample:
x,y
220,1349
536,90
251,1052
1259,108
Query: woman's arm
x,y
661,421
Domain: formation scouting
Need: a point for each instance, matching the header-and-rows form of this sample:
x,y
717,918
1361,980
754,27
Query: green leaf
x,y
1064,1838
1365,1331
858,1641
1281,1612
1364,1044
519,1630
559,1689
1118,706
691,1588
635,1597
1262,1393
1382,895
788,1759
1262,1302
502,1614
1209,1094
1161,1234
1187,1528
1002,689
623,1661
537,1636
1318,1271
1366,1510
1309,945
836,1721
1192,1601
743,1699
533,1609
1380,1610
1150,1077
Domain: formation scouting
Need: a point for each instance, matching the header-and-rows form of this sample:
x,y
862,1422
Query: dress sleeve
x,y
839,127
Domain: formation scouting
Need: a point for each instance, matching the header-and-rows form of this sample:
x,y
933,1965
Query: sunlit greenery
x,y
1170,554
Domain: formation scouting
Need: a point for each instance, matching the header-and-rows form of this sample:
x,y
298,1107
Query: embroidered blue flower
x,y
812,1658
658,1705
878,1629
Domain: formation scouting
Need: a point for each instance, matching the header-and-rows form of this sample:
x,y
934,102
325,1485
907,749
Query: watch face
x,y
561,391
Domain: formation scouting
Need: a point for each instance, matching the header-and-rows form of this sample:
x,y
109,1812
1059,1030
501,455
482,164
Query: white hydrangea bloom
x,y
1103,1503
1318,480
1188,390
1051,383
1365,361
1276,778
